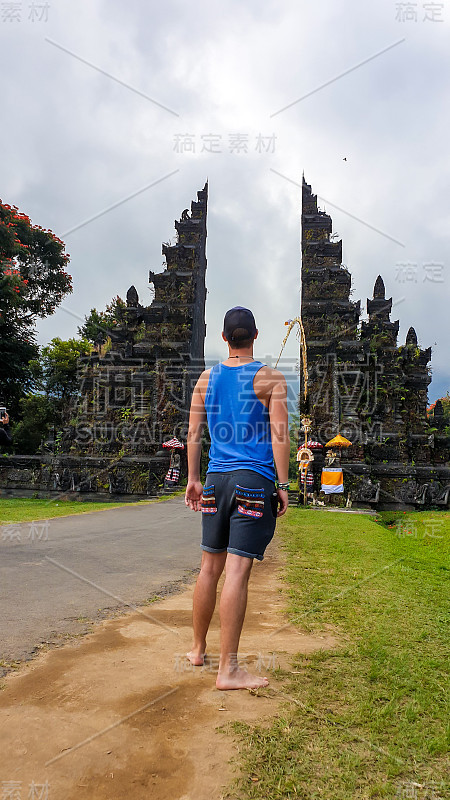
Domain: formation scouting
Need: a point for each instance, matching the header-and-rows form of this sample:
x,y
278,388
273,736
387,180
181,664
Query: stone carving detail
x,y
406,492
64,480
118,483
367,492
420,496
438,495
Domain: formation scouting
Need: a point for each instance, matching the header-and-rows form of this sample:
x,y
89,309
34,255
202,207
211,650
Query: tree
x,y
33,281
17,341
55,375
98,325
59,367
39,257
37,414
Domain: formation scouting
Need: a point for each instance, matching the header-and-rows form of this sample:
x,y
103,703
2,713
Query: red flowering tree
x,y
33,281
40,258
17,341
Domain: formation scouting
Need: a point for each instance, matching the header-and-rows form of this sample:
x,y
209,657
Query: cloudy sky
x,y
115,113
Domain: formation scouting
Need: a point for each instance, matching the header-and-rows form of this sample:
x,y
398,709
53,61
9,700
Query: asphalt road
x,y
58,575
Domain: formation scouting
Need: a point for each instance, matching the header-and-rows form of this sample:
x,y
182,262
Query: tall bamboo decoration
x,y
305,455
303,350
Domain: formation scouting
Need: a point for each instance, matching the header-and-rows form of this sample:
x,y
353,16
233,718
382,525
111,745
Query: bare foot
x,y
240,679
197,656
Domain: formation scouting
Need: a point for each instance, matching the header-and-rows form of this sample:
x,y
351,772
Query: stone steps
x,y
168,490
294,498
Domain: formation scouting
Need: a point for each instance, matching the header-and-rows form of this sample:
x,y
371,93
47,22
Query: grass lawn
x,y
24,509
369,719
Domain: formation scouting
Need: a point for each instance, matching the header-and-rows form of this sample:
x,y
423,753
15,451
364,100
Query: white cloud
x,y
75,142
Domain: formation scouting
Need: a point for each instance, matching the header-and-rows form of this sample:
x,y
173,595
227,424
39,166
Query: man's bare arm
x,y
197,421
279,426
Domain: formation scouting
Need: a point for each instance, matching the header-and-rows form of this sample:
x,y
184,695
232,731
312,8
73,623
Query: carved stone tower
x,y
362,384
136,394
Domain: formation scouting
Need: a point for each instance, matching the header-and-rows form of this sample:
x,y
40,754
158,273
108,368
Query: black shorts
x,y
239,512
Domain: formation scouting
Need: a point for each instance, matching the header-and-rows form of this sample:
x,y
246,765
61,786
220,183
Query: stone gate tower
x,y
135,389
137,394
362,384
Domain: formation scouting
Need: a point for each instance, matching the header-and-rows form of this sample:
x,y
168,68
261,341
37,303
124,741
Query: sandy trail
x,y
120,712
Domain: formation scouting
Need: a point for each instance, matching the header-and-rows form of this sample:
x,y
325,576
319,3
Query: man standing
x,y
245,405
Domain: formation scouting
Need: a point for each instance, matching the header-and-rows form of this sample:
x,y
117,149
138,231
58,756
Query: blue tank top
x,y
239,424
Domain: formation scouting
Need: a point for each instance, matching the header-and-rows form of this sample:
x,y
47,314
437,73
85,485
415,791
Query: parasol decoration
x,y
313,445
338,441
174,444
304,455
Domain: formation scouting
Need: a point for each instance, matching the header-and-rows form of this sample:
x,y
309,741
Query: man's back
x,y
238,421
265,381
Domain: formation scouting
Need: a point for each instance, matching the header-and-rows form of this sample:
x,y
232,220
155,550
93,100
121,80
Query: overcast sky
x,y
102,99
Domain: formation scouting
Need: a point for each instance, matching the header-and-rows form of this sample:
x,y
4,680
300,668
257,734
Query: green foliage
x,y
21,509
369,713
33,281
98,324
59,364
37,413
54,374
141,332
17,340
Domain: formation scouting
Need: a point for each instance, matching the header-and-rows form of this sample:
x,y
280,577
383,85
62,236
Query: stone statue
x,y
132,297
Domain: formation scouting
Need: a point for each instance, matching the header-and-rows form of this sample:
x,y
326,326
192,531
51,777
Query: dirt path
x,y
129,676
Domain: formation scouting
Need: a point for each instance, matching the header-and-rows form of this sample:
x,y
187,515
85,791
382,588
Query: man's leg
x,y
233,604
204,602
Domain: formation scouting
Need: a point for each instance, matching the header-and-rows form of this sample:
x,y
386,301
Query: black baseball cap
x,y
239,317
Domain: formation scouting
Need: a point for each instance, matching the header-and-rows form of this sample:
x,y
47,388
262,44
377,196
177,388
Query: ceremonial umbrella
x,y
338,441
174,444
313,445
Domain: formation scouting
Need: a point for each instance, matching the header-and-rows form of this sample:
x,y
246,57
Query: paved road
x,y
86,565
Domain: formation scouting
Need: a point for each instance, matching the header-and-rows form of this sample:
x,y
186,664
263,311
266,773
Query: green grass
x,y
371,717
22,509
